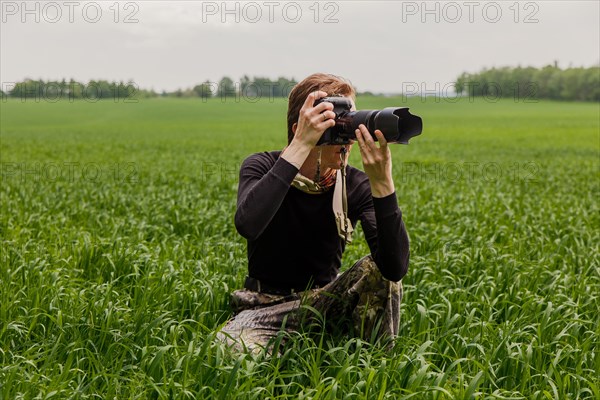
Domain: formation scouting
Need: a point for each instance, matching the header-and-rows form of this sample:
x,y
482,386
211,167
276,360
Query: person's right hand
x,y
313,121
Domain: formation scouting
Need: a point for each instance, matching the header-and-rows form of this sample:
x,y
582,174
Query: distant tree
x,y
204,90
284,86
226,87
52,91
264,87
544,81
101,89
75,89
64,87
592,82
27,89
461,84
247,88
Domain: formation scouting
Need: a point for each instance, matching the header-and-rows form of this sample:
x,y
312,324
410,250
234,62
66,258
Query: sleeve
x,y
384,230
262,188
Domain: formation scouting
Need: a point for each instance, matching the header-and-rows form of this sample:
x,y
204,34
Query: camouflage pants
x,y
360,302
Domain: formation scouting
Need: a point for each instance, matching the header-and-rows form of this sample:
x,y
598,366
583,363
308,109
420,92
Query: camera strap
x,y
340,202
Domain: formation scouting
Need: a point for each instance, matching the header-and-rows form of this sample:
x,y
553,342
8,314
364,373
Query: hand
x,y
313,121
377,161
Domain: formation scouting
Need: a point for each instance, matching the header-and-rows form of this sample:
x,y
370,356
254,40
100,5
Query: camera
x,y
396,123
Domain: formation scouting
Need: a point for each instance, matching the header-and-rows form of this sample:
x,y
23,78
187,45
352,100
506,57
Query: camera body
x,y
397,124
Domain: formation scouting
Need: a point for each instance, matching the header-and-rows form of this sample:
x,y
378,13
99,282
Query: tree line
x,y
549,82
59,90
252,88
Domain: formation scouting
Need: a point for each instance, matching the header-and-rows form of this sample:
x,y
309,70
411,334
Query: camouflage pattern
x,y
360,302
245,299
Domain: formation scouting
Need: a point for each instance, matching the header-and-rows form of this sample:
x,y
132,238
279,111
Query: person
x,y
297,209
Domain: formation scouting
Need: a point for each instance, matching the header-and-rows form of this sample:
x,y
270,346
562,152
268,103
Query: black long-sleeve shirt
x,y
292,235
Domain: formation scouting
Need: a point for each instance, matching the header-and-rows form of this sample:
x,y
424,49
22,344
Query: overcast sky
x,y
381,46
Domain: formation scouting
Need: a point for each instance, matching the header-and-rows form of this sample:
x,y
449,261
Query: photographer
x,y
296,208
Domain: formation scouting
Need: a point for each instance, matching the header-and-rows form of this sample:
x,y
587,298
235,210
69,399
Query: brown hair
x,y
332,84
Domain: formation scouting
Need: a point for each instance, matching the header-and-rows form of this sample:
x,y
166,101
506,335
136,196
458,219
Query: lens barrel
x,y
397,124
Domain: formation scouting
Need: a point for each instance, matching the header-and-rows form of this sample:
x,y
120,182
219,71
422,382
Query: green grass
x,y
119,252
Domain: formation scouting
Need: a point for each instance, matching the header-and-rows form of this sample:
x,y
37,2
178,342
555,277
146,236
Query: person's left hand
x,y
377,161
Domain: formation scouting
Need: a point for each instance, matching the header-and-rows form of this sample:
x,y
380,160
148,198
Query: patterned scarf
x,y
307,185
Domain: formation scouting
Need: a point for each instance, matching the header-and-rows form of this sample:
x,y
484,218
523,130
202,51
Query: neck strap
x,y
340,202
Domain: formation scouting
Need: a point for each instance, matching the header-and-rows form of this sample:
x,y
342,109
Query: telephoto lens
x,y
397,124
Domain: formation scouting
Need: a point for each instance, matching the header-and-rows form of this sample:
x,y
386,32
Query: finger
x,y
328,123
364,149
327,115
312,97
365,132
360,139
382,141
369,142
324,106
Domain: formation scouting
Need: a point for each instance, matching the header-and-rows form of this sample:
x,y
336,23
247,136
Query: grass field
x,y
119,252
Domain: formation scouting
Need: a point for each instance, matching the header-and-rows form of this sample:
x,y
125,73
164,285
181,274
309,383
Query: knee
x,y
368,266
